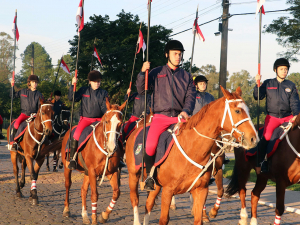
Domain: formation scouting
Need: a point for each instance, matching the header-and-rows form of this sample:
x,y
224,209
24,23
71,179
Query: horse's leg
x,y
94,194
68,183
173,203
166,199
22,181
34,176
199,195
47,163
84,191
219,182
33,192
280,193
243,214
113,179
150,203
260,185
13,157
134,196
55,160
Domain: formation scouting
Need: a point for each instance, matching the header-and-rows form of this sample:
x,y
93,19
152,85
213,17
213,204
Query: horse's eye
x,y
43,113
238,111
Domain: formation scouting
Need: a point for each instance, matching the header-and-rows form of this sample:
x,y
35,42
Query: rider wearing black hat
x,y
202,97
173,95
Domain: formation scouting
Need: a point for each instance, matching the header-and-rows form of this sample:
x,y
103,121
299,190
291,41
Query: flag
x,y
148,3
15,28
96,55
64,66
80,16
260,5
142,44
198,31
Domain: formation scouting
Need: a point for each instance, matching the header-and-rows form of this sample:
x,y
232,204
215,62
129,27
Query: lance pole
x,y
132,74
74,90
258,83
56,78
93,55
196,23
13,81
146,89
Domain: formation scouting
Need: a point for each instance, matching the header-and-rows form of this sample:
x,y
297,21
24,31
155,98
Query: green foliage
x,y
6,56
186,66
287,30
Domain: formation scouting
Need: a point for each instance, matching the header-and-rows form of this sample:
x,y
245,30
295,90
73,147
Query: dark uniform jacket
x,y
92,101
30,100
282,98
58,106
139,103
173,90
202,98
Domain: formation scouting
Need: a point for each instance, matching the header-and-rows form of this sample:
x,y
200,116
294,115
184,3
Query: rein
x,y
56,122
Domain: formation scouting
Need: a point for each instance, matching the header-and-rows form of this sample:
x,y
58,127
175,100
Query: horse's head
x,y
236,119
45,116
112,121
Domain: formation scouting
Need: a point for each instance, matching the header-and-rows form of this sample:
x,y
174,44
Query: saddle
x,y
21,130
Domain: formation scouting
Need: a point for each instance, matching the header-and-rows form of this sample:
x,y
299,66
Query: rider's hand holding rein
x,y
146,66
184,115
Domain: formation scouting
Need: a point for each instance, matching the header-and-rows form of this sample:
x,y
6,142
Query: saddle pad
x,y
84,137
20,132
130,129
164,146
273,143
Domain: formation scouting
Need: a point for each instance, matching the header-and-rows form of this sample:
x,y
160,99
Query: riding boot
x,y
74,146
263,144
149,182
14,146
1,135
122,164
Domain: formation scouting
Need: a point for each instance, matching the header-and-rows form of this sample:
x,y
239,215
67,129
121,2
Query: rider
x,y
58,105
30,102
282,102
173,95
202,97
138,106
92,108
1,123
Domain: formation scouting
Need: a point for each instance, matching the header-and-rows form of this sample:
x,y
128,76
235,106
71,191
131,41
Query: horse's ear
x,y
41,101
107,104
226,93
239,91
122,106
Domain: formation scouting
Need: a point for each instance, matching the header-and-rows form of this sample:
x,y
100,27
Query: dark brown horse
x,y
39,129
284,169
106,136
180,174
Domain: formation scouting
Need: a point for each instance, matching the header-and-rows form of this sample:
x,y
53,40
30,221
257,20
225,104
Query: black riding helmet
x,y
174,45
94,75
281,62
57,92
200,78
33,78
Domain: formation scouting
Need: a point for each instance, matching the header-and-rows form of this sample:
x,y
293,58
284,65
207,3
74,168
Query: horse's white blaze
x,y
253,221
243,106
136,216
84,212
147,219
112,136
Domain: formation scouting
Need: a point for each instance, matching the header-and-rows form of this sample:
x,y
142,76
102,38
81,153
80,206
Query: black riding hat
x,y
57,92
281,62
174,45
33,78
94,75
200,78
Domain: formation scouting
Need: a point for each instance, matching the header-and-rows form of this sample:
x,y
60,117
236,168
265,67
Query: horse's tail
x,y
53,147
233,186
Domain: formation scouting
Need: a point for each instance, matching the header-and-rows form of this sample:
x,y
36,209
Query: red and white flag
x,y
260,5
15,28
198,31
64,66
96,55
142,44
80,16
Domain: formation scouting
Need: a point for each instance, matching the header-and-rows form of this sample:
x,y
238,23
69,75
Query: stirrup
x,y
264,167
72,165
150,184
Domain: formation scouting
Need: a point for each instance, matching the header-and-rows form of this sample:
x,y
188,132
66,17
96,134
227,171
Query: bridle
x,y
42,121
62,121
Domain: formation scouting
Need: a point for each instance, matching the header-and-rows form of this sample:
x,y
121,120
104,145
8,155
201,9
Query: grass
x,y
4,133
227,173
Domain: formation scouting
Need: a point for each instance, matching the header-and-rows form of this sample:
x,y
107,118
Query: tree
x,y
287,30
116,43
186,66
6,56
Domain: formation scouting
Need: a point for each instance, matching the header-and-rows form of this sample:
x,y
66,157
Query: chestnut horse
x,y
106,136
39,129
284,169
180,174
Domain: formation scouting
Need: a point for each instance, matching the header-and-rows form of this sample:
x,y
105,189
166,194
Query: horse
x,y
284,170
60,127
180,174
96,163
31,144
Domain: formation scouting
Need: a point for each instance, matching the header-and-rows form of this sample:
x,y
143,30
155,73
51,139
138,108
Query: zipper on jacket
x,y
172,93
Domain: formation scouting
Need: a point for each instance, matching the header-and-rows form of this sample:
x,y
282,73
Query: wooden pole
x,y
55,78
195,31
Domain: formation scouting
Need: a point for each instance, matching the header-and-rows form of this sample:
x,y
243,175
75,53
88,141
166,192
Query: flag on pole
x,y
80,16
96,55
64,66
260,5
198,31
142,44
148,3
15,28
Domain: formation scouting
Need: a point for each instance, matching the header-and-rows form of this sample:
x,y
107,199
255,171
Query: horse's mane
x,y
296,123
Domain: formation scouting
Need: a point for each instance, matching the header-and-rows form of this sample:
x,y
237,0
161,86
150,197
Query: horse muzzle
x,y
47,132
250,142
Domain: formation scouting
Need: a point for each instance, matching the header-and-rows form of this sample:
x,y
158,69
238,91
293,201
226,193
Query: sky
x,y
52,24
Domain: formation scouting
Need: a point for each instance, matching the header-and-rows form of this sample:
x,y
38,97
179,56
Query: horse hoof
x,y
101,219
86,220
19,195
66,213
35,201
47,169
212,215
21,185
30,199
61,165
205,220
173,207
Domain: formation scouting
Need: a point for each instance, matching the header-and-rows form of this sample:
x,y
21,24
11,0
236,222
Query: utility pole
x,y
32,59
224,44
